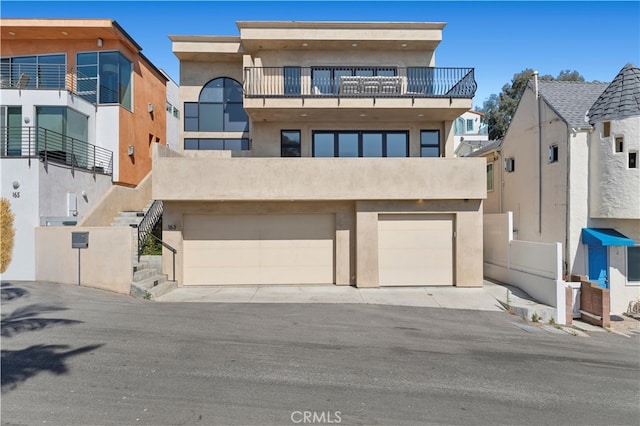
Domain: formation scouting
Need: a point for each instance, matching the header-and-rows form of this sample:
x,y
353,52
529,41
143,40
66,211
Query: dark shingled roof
x,y
571,99
621,99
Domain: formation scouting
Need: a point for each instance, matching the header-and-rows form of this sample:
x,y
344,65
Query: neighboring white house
x,y
568,170
173,113
470,133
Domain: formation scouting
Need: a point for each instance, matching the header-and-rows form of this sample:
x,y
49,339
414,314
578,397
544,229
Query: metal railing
x,y
46,77
145,231
50,146
392,82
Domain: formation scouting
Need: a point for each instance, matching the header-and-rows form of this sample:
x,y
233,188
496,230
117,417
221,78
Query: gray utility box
x,y
80,240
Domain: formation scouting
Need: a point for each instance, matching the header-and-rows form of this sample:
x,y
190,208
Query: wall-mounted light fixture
x,y
130,150
99,42
27,120
150,108
16,184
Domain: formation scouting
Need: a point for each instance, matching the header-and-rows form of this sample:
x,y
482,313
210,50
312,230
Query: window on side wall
x,y
553,154
469,125
620,144
105,78
290,143
216,144
510,165
606,129
430,143
633,160
490,177
633,264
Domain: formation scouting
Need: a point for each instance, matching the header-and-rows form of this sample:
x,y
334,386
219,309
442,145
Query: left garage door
x,y
258,249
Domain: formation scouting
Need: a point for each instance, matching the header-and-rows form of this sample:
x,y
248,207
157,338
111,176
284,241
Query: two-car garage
x,y
259,249
256,249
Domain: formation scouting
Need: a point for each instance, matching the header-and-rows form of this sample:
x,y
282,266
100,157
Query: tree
x,y
6,234
498,110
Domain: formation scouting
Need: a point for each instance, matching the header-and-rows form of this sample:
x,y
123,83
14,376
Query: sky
x,y
498,39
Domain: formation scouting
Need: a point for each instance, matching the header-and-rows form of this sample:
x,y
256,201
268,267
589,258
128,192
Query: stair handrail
x,y
172,250
148,222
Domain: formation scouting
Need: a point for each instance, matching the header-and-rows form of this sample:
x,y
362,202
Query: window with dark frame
x,y
219,108
606,129
216,144
553,154
633,160
620,144
350,143
633,263
430,143
290,143
490,177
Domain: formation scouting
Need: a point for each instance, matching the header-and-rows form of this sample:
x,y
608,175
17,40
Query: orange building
x,y
115,94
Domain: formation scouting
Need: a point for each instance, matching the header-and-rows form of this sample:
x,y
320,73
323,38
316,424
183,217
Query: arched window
x,y
219,108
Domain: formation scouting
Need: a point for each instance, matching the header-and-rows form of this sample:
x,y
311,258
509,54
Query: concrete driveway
x,y
79,356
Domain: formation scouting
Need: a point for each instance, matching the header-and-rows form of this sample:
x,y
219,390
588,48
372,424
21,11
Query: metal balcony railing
x,y
364,82
45,77
49,146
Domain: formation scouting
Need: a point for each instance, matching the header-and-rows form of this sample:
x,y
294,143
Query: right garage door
x,y
415,249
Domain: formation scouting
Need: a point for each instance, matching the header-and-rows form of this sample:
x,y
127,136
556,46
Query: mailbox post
x,y
79,240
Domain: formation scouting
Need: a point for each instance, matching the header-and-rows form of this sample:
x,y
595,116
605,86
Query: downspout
x,y
535,82
567,226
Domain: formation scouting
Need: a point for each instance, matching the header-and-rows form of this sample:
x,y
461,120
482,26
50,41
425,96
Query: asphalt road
x,y
81,356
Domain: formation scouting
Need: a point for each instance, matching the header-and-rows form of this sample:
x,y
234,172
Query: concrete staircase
x,y
148,280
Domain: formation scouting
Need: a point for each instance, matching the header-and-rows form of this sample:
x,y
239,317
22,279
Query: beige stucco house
x,y
568,170
321,153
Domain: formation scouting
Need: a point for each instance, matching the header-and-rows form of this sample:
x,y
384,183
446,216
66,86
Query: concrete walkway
x,y
486,298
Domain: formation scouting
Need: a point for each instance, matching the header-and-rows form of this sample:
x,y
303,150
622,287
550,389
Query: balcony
x,y
315,179
49,146
391,82
274,93
47,77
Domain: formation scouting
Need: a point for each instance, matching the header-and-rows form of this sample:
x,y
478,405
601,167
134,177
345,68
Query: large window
x,y
430,143
10,131
214,144
105,77
290,143
360,144
490,177
37,71
63,133
219,108
633,264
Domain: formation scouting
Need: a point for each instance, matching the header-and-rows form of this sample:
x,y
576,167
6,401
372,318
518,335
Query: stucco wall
x,y
56,182
106,264
615,188
254,179
117,199
24,205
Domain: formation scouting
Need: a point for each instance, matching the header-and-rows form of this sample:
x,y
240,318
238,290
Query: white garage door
x,y
415,249
258,249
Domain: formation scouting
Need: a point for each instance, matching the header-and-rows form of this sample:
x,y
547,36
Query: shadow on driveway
x,y
21,365
26,319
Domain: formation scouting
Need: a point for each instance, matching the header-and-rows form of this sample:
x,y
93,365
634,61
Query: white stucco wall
x,y
24,205
173,122
108,133
575,253
521,187
615,188
56,182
